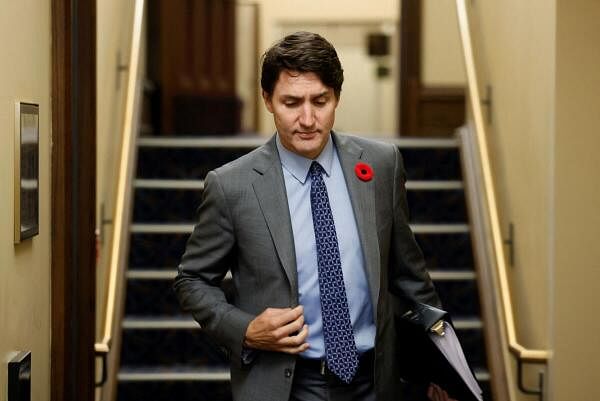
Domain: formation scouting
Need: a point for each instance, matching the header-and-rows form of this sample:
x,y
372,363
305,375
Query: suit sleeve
x,y
209,254
408,277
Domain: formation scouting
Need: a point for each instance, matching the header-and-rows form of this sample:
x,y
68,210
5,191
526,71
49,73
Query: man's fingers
x,y
296,344
295,350
291,328
272,326
280,317
295,340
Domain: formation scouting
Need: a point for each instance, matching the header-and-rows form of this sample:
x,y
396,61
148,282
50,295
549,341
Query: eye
x,y
320,102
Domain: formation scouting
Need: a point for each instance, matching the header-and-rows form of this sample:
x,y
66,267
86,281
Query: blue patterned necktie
x,y
340,348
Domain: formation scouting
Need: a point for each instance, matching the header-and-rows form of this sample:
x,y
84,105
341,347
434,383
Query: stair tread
x,y
173,373
169,273
168,322
182,183
255,141
187,322
421,228
182,372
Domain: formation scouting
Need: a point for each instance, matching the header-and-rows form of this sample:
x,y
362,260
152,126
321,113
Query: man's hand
x,y
436,393
278,329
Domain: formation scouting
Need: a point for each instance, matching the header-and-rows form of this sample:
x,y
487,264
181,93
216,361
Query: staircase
x,y
164,354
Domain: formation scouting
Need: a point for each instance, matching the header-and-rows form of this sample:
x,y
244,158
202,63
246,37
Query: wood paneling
x,y
195,55
73,199
424,111
441,110
410,66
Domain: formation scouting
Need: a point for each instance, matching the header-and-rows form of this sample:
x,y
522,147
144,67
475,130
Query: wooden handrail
x,y
122,210
530,355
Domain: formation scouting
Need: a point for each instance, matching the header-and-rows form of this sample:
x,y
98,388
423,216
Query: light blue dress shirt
x,y
297,185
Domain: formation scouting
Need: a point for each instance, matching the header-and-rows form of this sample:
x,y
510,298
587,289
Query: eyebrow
x,y
292,97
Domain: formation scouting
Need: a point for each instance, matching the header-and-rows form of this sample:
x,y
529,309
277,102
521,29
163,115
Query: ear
x,y
268,101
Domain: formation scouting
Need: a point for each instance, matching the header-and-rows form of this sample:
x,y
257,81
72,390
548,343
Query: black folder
x,y
421,362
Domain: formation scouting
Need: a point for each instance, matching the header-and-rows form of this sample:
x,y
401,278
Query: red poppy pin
x,y
363,171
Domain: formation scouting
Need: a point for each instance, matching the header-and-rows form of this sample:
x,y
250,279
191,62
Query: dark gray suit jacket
x,y
244,226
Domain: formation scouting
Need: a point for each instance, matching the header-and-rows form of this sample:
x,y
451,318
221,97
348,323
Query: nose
x,y
307,116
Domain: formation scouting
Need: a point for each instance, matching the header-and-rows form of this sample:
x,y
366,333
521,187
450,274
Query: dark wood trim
x,y
410,66
73,199
424,110
440,110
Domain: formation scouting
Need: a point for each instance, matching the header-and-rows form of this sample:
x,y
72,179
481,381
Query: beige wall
x,y
541,59
275,15
441,50
25,61
575,369
516,47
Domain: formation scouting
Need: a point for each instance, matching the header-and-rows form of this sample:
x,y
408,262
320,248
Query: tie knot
x,y
316,168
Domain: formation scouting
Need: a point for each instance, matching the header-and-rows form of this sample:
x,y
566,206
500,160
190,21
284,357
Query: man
x,y
313,227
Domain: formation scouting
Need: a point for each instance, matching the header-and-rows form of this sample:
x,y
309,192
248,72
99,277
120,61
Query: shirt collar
x,y
298,166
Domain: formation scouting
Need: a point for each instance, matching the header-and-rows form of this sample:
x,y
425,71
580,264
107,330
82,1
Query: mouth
x,y
307,134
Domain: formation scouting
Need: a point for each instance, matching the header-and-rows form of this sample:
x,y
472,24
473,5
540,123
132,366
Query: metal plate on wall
x,y
26,177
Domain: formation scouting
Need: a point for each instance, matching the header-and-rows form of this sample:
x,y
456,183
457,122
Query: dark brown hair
x,y
302,52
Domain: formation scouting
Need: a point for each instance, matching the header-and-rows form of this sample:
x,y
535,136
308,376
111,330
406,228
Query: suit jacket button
x,y
288,372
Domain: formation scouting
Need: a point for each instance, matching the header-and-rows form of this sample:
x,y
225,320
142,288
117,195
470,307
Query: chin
x,y
309,151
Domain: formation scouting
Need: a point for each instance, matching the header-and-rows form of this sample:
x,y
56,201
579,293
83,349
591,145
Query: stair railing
x,y
495,295
107,348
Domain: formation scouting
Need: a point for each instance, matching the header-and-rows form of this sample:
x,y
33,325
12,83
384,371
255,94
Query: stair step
x,y
459,297
156,249
152,274
183,350
174,390
168,184
482,375
174,347
165,228
151,298
433,185
127,374
159,206
155,297
159,323
255,141
473,323
441,251
439,228
170,273
201,142
437,206
188,323
430,185
452,275
175,201
193,158
152,342
445,250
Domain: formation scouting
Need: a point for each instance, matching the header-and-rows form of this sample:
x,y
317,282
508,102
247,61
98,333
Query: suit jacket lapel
x,y
269,188
362,195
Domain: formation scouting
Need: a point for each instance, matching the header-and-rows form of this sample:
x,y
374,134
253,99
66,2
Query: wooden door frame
x,y
73,273
425,110
410,66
